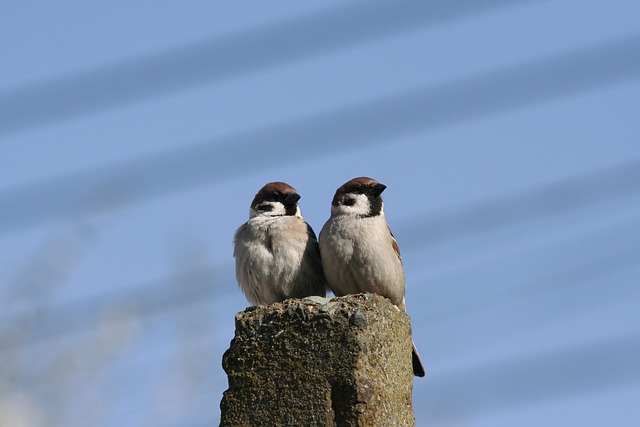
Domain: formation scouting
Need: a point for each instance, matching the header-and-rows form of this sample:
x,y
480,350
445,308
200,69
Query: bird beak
x,y
292,199
377,189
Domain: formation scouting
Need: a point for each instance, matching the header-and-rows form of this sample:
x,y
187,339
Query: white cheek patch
x,y
360,207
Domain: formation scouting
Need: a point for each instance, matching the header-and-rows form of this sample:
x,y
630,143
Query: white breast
x,y
358,256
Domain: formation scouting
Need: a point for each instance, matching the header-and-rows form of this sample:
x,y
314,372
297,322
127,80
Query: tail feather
x,y
418,367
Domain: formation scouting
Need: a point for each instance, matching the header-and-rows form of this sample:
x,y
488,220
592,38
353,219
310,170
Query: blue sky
x,y
134,136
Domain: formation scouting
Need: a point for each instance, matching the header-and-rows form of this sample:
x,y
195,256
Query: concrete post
x,y
320,362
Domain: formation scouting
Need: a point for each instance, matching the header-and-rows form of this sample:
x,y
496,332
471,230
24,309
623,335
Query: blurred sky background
x,y
134,135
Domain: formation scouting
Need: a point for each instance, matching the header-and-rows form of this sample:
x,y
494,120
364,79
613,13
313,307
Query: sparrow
x,y
359,252
276,251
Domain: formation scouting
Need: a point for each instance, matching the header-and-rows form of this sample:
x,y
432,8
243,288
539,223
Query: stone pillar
x,y
320,362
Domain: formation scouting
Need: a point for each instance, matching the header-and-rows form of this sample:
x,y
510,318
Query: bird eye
x,y
264,207
349,201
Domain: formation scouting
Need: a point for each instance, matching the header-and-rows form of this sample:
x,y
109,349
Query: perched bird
x,y
276,251
359,253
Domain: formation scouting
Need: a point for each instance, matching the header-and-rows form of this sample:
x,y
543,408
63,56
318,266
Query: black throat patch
x,y
375,205
290,209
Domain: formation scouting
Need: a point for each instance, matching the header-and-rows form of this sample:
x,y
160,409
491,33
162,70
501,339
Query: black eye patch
x,y
289,201
264,207
349,201
290,209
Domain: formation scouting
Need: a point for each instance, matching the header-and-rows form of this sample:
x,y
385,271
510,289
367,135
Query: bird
x,y
276,251
359,252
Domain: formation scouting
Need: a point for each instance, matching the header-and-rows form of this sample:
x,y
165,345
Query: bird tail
x,y
418,367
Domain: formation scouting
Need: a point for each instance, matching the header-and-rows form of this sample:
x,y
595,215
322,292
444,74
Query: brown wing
x,y
315,247
396,248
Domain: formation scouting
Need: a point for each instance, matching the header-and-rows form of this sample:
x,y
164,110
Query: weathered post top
x,y
320,362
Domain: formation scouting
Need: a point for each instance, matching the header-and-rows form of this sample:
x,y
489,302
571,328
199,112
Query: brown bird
x,y
359,252
276,251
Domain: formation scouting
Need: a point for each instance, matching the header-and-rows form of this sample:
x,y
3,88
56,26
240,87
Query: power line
x,y
199,286
623,248
501,384
496,386
224,58
325,134
144,300
593,367
555,198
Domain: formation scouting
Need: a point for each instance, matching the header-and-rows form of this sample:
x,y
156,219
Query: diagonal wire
x,y
492,387
325,134
519,206
159,296
570,370
224,58
622,241
593,367
144,300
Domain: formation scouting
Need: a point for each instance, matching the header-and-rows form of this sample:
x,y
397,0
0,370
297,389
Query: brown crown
x,y
360,185
276,191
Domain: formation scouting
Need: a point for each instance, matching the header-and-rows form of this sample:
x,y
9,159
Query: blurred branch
x,y
325,134
224,58
46,382
145,300
61,252
175,393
